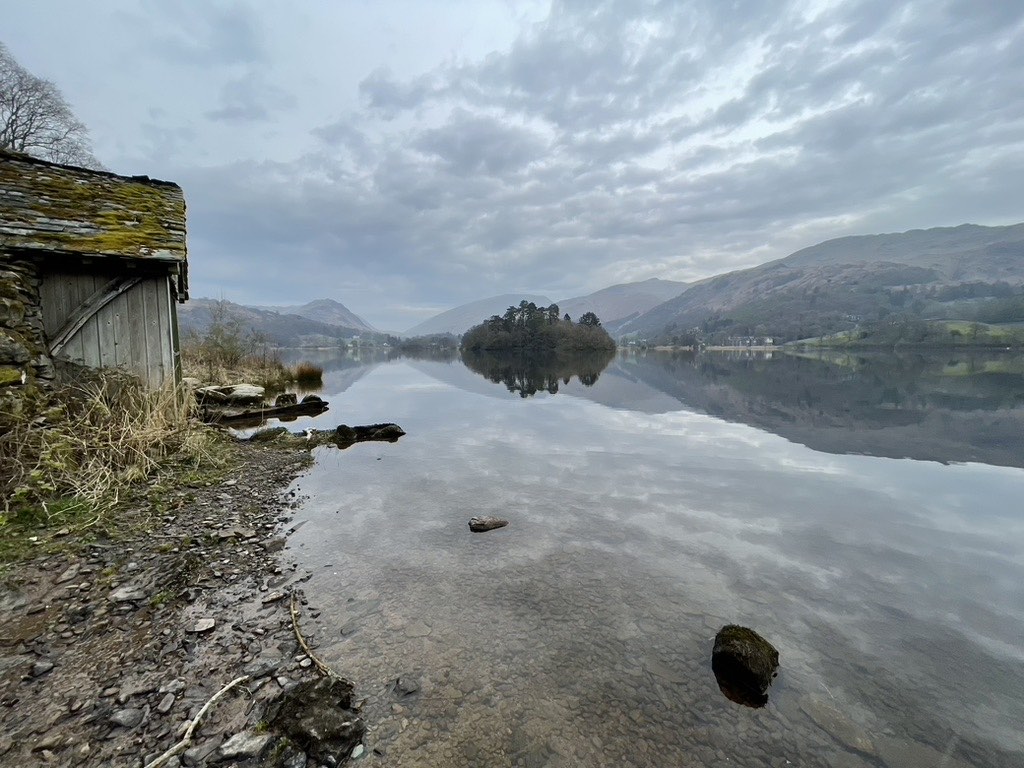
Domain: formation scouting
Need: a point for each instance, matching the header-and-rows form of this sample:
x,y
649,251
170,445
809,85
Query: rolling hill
x,y
325,311
968,272
283,330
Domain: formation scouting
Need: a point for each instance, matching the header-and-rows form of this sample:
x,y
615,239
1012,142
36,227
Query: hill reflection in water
x,y
947,407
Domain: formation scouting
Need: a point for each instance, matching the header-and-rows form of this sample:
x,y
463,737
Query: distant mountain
x,y
613,305
283,330
325,311
618,304
462,318
968,272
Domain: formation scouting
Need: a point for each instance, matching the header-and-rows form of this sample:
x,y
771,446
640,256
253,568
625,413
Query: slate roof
x,y
63,209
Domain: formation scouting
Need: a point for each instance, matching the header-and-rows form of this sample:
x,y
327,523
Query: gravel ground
x,y
106,654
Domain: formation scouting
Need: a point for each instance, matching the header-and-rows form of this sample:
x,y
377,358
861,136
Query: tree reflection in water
x,y
527,374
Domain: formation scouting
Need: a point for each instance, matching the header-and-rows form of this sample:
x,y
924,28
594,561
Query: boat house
x,y
92,266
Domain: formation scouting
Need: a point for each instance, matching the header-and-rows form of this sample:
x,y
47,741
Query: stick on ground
x,y
182,745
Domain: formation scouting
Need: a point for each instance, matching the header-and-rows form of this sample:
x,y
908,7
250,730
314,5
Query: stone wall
x,y
25,366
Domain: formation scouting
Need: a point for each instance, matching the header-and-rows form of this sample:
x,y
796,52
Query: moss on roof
x,y
74,210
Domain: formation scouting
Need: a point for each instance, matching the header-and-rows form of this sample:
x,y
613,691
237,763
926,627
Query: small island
x,y
529,328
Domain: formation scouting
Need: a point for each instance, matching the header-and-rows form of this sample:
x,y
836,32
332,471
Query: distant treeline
x,y
871,301
538,329
903,331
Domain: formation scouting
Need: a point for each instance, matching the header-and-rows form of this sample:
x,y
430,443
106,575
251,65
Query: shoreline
x,y
108,651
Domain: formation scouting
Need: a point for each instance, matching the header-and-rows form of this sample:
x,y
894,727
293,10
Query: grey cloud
x,y
205,34
594,148
473,144
249,98
387,96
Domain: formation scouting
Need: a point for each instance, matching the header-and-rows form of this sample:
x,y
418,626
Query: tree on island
x,y
529,328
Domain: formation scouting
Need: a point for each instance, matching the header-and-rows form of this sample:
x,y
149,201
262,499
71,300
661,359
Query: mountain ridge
x,y
946,272
329,311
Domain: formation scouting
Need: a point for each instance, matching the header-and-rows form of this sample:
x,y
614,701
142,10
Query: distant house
x,y
92,266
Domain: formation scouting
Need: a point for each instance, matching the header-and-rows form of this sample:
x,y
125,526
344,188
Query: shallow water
x,y
581,634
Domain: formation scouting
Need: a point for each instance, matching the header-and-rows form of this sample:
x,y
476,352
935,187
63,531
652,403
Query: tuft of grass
x,y
106,439
309,373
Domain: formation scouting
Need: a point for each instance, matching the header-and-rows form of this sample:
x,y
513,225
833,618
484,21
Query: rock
x,y
165,704
405,686
837,724
744,664
285,398
388,432
127,718
345,433
317,716
203,625
481,524
244,745
904,753
233,394
175,686
266,435
40,668
127,595
417,629
69,574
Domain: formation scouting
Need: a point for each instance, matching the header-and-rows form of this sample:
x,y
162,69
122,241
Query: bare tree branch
x,y
36,119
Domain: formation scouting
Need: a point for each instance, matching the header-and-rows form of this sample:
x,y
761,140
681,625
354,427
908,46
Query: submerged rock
x,y
744,664
837,724
481,524
318,716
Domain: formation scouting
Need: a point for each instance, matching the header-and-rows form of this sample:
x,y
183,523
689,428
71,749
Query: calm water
x,y
672,496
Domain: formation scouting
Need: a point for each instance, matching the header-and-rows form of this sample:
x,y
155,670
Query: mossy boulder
x,y
744,664
11,376
319,717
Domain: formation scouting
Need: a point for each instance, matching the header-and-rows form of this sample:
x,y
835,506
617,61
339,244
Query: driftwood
x,y
321,667
186,740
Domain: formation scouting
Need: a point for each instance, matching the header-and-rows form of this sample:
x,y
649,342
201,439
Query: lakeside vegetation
x,y
529,328
100,443
229,352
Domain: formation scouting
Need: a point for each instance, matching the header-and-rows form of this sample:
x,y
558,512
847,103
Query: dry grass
x,y
264,370
105,436
308,373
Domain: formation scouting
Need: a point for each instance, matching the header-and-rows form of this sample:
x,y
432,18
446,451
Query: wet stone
x,y
127,718
245,745
40,668
127,594
836,724
486,523
165,704
203,625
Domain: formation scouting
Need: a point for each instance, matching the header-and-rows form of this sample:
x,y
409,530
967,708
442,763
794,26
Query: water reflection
x,y
528,374
947,407
580,634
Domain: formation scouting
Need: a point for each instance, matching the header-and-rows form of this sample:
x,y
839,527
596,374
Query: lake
x,y
862,513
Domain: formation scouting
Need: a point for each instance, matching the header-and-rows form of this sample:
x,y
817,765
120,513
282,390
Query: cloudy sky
x,y
406,157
